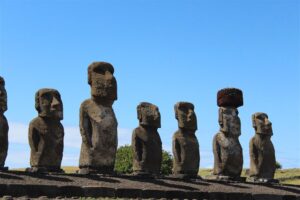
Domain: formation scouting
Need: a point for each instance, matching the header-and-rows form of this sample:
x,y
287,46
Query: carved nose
x,y
268,123
189,115
55,103
108,75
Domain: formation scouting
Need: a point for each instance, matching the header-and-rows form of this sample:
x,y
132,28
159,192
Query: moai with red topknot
x,y
228,154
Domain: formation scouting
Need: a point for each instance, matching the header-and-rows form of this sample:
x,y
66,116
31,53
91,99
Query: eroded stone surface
x,y
228,155
20,184
3,124
146,142
185,145
98,124
46,133
262,153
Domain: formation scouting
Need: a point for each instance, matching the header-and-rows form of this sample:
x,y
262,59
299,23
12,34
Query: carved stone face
x,y
103,83
148,114
229,121
3,96
261,124
49,104
184,113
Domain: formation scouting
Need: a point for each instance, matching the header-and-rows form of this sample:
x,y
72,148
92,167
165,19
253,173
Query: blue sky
x,y
163,52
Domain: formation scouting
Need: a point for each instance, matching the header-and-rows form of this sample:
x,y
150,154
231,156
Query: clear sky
x,y
163,52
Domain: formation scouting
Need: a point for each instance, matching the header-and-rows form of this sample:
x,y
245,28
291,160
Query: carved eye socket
x,y
261,117
99,70
46,98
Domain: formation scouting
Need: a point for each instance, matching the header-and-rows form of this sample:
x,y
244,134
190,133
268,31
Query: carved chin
x,y
104,93
58,114
3,108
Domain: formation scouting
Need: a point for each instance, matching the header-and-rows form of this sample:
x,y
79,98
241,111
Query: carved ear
x,y
220,117
175,110
37,101
139,112
253,121
2,81
89,75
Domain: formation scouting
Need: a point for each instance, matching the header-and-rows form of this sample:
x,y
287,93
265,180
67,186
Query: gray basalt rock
x,y
185,143
262,153
3,125
46,133
228,155
146,142
98,124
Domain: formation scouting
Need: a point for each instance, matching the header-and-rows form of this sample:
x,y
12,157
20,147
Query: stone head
x,y
229,121
48,103
148,115
185,114
261,124
102,81
3,96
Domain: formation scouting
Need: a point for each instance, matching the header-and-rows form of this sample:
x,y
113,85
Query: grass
x,y
285,176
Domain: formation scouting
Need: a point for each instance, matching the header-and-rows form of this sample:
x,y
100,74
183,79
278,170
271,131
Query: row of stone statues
x,y
98,128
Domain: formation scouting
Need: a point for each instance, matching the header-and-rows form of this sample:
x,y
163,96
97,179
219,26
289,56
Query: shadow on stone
x,y
9,176
197,181
230,184
49,177
99,178
280,187
162,183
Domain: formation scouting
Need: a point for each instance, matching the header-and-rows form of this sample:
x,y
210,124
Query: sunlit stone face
x,y
49,104
103,83
229,121
261,124
149,115
184,113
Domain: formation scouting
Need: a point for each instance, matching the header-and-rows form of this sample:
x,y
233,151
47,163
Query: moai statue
x,y
3,125
262,153
46,133
228,155
146,142
185,143
98,123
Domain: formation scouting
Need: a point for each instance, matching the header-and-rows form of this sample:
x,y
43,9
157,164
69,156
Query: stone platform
x,y
22,184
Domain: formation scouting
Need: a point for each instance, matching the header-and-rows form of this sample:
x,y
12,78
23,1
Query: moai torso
x,y
146,142
3,139
98,123
228,153
148,150
185,144
46,133
262,153
186,154
46,141
3,124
